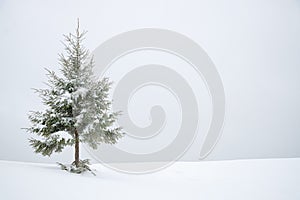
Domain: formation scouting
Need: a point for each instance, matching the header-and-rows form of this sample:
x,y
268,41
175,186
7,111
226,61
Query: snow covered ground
x,y
240,179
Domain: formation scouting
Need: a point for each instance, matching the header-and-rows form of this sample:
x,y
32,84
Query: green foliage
x,y
75,102
51,144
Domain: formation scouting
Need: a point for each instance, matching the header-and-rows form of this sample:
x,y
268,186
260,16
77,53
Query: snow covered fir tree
x,y
78,108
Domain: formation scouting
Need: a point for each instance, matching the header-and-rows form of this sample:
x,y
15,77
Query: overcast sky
x,y
254,44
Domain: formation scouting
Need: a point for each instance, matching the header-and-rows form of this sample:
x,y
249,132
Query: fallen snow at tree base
x,y
265,179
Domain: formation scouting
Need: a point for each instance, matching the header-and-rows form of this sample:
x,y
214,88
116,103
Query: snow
x,y
233,180
39,126
81,91
63,134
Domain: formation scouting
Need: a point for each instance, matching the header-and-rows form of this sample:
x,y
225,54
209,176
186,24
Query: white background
x,y
254,44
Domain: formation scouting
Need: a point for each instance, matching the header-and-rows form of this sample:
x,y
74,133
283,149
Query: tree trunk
x,y
76,148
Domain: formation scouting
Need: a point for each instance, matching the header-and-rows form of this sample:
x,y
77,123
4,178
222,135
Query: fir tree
x,y
78,108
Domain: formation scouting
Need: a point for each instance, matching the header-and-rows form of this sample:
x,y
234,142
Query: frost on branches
x,y
78,107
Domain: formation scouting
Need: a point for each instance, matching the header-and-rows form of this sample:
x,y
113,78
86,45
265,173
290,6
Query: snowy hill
x,y
241,179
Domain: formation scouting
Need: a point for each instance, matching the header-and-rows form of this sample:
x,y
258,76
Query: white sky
x,y
254,44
